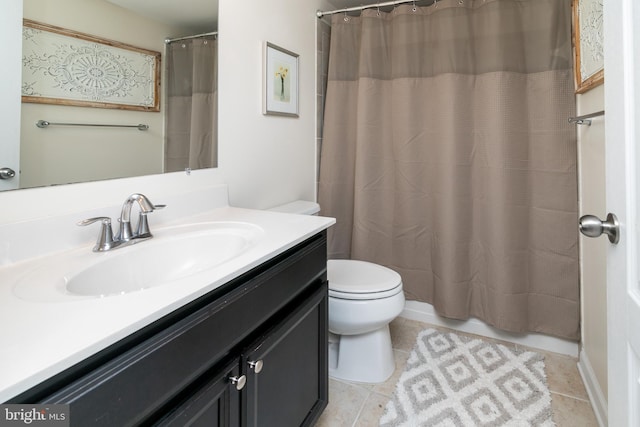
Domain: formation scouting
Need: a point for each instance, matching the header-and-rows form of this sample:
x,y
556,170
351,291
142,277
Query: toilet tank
x,y
301,207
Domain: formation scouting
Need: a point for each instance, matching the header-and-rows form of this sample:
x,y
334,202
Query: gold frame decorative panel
x,y
588,37
65,67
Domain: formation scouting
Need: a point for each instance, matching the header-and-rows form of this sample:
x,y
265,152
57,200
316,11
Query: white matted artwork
x,y
280,81
65,67
588,29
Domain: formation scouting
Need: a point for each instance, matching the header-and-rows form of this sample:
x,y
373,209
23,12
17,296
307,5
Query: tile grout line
x,y
570,397
364,402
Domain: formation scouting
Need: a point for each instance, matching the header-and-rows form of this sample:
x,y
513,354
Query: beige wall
x,y
64,154
591,158
267,160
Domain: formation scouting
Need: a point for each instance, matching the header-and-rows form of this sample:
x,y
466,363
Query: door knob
x,y
7,173
592,226
239,382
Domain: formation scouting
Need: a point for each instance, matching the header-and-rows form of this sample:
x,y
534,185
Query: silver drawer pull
x,y
256,366
238,381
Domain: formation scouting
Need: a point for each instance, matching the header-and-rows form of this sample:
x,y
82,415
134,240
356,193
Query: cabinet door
x,y
287,371
214,402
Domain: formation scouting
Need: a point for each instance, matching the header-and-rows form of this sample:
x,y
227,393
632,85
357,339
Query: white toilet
x,y
363,299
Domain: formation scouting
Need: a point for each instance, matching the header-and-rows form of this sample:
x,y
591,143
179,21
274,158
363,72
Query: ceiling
x,y
199,16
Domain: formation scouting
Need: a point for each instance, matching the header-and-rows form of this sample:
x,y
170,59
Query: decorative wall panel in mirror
x,y
65,67
68,154
588,30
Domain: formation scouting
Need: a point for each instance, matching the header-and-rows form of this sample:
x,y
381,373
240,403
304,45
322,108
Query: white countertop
x,y
42,338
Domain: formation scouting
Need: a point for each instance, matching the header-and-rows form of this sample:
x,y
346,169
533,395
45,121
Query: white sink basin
x,y
172,254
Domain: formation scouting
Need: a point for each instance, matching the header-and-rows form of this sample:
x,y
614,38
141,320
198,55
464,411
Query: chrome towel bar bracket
x,y
584,120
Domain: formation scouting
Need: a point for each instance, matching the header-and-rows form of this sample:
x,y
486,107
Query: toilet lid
x,y
352,279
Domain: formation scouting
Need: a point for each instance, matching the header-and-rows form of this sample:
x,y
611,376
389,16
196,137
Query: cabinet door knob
x,y
238,381
257,366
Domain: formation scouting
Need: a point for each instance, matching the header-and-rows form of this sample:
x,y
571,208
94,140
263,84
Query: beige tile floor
x,y
355,404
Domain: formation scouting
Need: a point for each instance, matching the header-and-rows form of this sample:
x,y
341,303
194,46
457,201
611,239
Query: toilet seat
x,y
361,280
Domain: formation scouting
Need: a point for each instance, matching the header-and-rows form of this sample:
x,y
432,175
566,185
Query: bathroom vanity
x,y
252,352
245,344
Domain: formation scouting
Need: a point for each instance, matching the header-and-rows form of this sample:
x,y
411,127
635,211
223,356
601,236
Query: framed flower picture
x,y
280,95
588,35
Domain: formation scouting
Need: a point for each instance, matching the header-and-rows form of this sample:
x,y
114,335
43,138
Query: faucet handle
x,y
143,224
143,227
105,238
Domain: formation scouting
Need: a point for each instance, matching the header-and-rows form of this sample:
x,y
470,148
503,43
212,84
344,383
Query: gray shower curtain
x,y
448,157
192,105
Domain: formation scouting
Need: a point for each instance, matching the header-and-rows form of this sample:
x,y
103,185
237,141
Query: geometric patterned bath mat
x,y
454,380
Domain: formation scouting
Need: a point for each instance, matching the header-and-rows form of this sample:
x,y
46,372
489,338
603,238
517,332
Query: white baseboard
x,y
598,401
424,312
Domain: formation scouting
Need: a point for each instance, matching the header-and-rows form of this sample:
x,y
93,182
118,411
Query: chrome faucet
x,y
125,236
146,207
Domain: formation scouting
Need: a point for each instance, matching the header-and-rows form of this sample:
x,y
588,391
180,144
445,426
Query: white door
x,y
622,107
11,36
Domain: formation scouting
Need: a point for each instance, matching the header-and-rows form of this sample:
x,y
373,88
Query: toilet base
x,y
365,358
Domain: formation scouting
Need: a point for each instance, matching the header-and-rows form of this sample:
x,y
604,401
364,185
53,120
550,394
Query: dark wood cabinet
x,y
250,353
215,403
287,369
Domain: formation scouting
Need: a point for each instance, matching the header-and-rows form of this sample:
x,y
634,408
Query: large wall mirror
x,y
181,135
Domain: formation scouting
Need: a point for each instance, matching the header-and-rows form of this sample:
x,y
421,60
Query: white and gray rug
x,y
453,380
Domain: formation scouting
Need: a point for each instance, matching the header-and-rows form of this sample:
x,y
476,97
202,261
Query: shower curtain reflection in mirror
x,y
447,156
192,103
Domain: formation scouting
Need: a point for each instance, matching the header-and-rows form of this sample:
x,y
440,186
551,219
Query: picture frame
x,y
588,38
66,67
281,86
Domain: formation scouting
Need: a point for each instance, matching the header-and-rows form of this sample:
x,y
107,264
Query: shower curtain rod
x,y
213,33
320,13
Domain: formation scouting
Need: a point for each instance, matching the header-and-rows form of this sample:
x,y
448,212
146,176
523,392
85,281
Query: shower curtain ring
x,y
414,8
435,4
378,7
346,17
